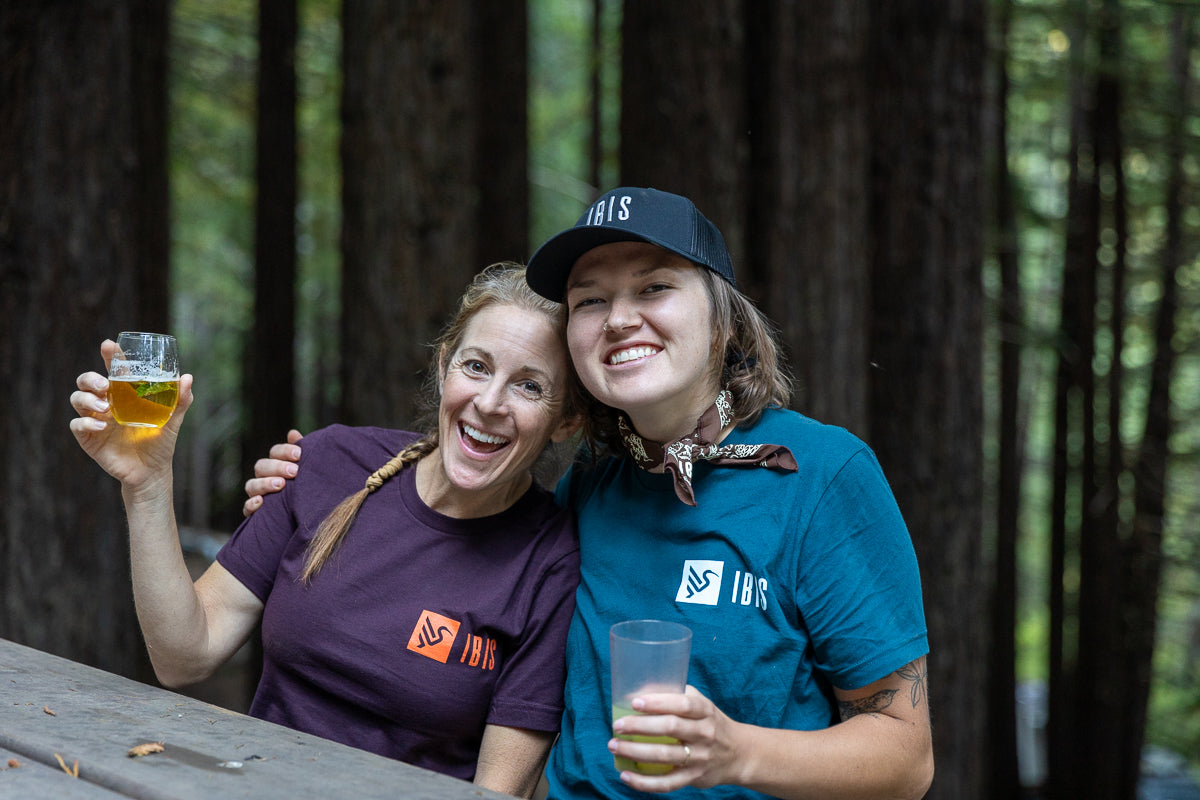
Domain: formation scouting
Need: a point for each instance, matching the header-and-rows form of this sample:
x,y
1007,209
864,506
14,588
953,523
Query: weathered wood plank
x,y
28,780
49,705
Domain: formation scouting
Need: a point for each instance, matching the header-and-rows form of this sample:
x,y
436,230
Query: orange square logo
x,y
434,636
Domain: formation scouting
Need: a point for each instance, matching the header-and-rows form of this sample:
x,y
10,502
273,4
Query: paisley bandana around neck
x,y
678,456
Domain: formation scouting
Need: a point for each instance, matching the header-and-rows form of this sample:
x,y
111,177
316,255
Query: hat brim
x,y
549,267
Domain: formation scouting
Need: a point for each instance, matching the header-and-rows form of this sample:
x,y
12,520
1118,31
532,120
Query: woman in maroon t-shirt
x,y
391,677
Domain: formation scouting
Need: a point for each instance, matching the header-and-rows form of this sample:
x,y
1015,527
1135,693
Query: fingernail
x,y
277,483
291,470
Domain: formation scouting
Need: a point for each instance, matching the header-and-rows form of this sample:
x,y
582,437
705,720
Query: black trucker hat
x,y
630,215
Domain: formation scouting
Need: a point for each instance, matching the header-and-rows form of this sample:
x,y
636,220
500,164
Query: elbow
x,y
178,675
922,776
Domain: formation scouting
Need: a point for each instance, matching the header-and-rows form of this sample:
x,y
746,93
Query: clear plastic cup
x,y
646,655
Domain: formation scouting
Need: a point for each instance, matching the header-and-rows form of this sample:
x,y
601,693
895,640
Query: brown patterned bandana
x,y
678,456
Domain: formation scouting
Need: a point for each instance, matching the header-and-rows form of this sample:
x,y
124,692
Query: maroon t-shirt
x,y
421,628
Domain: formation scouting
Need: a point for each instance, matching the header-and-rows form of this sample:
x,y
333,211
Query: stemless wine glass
x,y
143,379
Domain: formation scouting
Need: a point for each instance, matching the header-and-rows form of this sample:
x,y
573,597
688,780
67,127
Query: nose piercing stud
x,y
606,327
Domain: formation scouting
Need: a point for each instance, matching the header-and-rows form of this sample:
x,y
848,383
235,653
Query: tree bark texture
x,y
1102,683
1003,778
500,37
1074,477
926,340
412,203
683,108
808,211
83,210
270,373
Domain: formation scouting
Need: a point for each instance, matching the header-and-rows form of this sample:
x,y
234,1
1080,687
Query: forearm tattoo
x,y
915,674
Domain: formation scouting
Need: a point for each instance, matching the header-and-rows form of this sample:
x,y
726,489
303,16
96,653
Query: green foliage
x,y
560,64
212,93
213,51
319,214
1041,51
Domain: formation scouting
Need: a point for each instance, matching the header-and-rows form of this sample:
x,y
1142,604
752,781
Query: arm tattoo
x,y
866,705
914,673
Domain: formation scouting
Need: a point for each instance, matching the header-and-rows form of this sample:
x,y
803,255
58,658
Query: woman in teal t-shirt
x,y
774,538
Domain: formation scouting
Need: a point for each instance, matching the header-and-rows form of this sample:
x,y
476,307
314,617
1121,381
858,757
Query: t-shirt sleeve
x,y
253,553
859,590
529,692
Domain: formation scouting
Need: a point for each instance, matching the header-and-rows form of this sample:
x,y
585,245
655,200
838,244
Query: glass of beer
x,y
143,379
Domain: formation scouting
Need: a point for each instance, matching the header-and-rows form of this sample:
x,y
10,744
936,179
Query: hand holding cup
x,y
646,656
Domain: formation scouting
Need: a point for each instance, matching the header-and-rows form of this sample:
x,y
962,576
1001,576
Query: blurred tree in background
x,y
83,255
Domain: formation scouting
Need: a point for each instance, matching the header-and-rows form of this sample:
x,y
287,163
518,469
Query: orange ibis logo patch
x,y
433,637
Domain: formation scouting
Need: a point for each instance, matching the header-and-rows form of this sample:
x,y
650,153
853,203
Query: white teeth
x,y
631,354
486,438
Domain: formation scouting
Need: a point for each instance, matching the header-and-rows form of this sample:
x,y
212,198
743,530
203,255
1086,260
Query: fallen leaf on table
x,y
145,749
73,770
46,710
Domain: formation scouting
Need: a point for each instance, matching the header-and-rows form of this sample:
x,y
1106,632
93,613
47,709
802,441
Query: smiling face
x,y
654,361
502,393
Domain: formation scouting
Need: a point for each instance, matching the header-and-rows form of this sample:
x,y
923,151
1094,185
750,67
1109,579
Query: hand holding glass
x,y
646,655
143,379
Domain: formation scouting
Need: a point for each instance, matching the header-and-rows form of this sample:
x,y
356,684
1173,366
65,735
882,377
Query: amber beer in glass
x,y
143,379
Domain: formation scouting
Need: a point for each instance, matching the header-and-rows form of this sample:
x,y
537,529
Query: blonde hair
x,y
333,529
501,284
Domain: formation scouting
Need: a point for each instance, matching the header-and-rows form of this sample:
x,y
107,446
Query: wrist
x,y
744,763
150,492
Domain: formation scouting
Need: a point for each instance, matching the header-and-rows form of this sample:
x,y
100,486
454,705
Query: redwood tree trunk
x,y
83,255
1101,678
270,374
1073,437
808,207
683,107
419,180
1003,777
926,395
500,34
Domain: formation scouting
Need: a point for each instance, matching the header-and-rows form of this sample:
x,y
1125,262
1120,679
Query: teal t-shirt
x,y
790,582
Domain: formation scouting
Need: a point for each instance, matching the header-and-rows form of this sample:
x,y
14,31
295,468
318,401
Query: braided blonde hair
x,y
333,529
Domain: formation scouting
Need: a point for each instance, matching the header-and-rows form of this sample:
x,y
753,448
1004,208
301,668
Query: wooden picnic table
x,y
59,718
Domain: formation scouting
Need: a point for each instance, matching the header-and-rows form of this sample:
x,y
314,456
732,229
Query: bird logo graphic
x,y
701,582
697,583
433,636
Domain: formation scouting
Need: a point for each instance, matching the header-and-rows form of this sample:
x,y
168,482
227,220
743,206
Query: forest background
x,y
976,223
